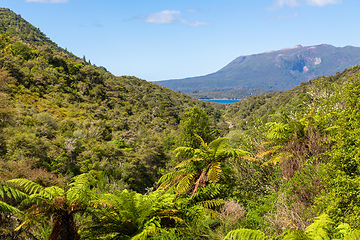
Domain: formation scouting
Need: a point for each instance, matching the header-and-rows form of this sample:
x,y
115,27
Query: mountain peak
x,y
270,71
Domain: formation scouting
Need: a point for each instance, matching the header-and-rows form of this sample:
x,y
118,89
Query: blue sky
x,y
173,39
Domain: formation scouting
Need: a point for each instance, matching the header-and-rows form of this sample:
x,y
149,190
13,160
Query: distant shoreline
x,y
224,101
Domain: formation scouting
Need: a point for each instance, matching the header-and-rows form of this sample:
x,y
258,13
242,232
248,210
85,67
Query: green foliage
x,y
60,203
195,123
202,166
245,234
127,215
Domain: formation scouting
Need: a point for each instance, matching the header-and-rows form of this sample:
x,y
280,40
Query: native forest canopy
x,y
85,154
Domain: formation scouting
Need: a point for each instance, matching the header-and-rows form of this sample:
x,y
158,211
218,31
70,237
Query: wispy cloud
x,y
172,16
48,1
166,16
296,3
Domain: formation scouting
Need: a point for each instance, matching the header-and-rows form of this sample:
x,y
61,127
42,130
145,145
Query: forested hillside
x,y
88,155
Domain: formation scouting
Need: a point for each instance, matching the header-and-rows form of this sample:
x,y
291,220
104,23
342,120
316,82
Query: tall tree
x,y
195,123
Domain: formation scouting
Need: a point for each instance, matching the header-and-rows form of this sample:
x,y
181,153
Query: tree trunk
x,y
64,228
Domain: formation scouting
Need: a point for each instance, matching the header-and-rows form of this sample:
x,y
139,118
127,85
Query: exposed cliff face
x,y
273,70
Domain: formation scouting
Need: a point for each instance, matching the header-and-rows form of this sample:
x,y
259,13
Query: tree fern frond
x,y
214,173
184,152
80,189
320,228
208,192
245,234
294,234
29,186
4,207
187,161
203,144
185,183
219,143
11,192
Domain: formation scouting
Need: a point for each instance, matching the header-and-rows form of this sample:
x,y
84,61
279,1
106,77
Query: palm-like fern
x,y
200,167
61,203
7,191
245,234
131,215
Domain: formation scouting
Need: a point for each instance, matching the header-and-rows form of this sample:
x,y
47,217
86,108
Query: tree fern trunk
x,y
64,228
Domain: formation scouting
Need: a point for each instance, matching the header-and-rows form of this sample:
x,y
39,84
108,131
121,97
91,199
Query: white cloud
x,y
296,3
172,16
48,1
322,2
166,16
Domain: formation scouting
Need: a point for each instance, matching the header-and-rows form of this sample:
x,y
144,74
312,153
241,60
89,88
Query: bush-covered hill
x,y
66,116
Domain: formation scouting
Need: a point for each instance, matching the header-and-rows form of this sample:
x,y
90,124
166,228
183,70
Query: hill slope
x,y
64,115
269,71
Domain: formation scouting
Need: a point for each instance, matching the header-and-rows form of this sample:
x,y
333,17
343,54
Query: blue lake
x,y
225,101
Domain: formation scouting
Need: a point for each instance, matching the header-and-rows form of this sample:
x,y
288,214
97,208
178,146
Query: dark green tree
x,y
195,123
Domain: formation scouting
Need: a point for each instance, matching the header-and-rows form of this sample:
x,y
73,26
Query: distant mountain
x,y
269,71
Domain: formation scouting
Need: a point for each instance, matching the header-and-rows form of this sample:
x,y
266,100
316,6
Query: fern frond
x,y
214,173
187,161
4,207
320,228
185,183
295,234
29,186
211,203
202,142
11,192
246,234
184,152
353,235
218,143
80,189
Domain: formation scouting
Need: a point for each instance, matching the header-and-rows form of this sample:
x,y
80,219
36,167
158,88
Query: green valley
x,y
85,154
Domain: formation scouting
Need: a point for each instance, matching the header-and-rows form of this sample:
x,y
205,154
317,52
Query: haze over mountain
x,y
269,71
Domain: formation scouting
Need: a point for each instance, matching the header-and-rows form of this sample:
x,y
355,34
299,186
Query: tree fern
x,y
131,214
295,234
320,229
59,203
202,166
245,234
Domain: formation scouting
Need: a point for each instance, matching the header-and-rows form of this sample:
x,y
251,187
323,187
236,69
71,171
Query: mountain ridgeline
x,y
268,72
